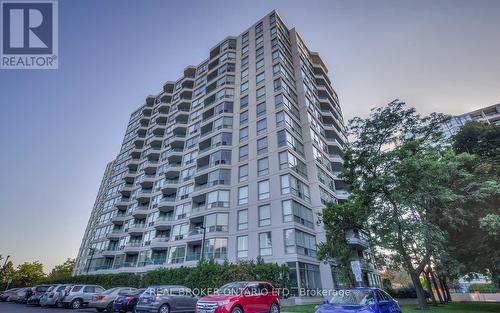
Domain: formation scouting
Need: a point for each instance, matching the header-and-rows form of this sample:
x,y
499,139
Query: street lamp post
x,y
92,250
203,243
5,264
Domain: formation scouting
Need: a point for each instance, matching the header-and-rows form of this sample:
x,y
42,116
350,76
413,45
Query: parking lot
x,y
9,307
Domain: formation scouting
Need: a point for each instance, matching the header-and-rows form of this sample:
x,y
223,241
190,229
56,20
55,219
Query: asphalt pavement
x,y
9,307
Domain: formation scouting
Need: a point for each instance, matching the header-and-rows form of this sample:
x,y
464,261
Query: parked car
x,y
126,302
167,299
80,295
369,300
7,293
13,296
104,300
37,293
23,295
239,297
54,296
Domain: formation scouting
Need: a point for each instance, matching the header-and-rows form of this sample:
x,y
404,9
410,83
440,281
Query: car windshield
x,y
231,289
352,297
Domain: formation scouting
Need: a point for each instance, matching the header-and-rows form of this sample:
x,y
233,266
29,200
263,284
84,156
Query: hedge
x,y
404,292
207,274
484,288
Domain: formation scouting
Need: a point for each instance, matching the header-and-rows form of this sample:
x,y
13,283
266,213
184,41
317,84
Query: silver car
x,y
80,295
167,299
54,296
104,300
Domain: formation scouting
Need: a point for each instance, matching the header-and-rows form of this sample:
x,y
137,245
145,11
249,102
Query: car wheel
x,y
76,304
99,309
274,308
237,310
164,309
109,308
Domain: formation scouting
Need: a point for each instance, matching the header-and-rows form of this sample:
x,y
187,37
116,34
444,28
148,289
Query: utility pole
x,y
92,250
203,243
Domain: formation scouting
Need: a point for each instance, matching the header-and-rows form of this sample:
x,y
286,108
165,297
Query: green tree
x,y
62,271
6,272
28,273
399,175
473,239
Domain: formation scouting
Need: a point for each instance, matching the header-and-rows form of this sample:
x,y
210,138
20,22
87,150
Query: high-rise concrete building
x,y
238,155
488,115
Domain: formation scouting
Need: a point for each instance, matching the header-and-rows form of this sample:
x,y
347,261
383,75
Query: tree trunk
x,y
436,287
422,301
429,288
446,289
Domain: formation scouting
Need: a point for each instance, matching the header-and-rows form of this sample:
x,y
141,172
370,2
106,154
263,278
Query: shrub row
x,y
484,288
404,292
208,274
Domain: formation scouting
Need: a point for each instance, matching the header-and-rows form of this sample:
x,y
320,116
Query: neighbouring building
x,y
245,148
489,115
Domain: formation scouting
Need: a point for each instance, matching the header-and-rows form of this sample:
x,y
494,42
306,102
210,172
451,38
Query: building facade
x,y
243,150
489,115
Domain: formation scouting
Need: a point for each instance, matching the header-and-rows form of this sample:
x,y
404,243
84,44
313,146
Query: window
x,y
265,215
298,213
244,50
243,102
244,38
261,109
259,52
290,184
260,93
243,219
259,65
243,117
244,86
260,77
176,254
259,40
262,167
243,134
243,153
258,29
244,61
261,126
265,244
286,139
262,145
288,160
217,222
243,173
300,242
244,74
263,190
242,246
243,195
218,198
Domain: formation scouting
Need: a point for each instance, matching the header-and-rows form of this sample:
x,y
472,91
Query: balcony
x,y
123,203
147,181
133,164
133,247
127,189
118,219
169,186
334,157
153,153
144,195
110,251
159,243
140,212
357,238
116,234
164,222
130,176
136,229
342,194
193,257
172,170
150,167
135,153
166,204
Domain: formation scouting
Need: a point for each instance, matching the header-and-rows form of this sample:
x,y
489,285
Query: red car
x,y
241,297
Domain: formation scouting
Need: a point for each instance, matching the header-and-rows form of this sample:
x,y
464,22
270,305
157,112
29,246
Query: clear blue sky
x,y
59,128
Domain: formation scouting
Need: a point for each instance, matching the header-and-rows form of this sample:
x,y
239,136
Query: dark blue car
x,y
360,300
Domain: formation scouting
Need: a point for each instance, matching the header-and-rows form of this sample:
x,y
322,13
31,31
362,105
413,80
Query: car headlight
x,y
222,303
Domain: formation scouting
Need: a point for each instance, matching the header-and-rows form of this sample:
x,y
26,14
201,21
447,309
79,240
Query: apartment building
x,y
233,160
488,115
